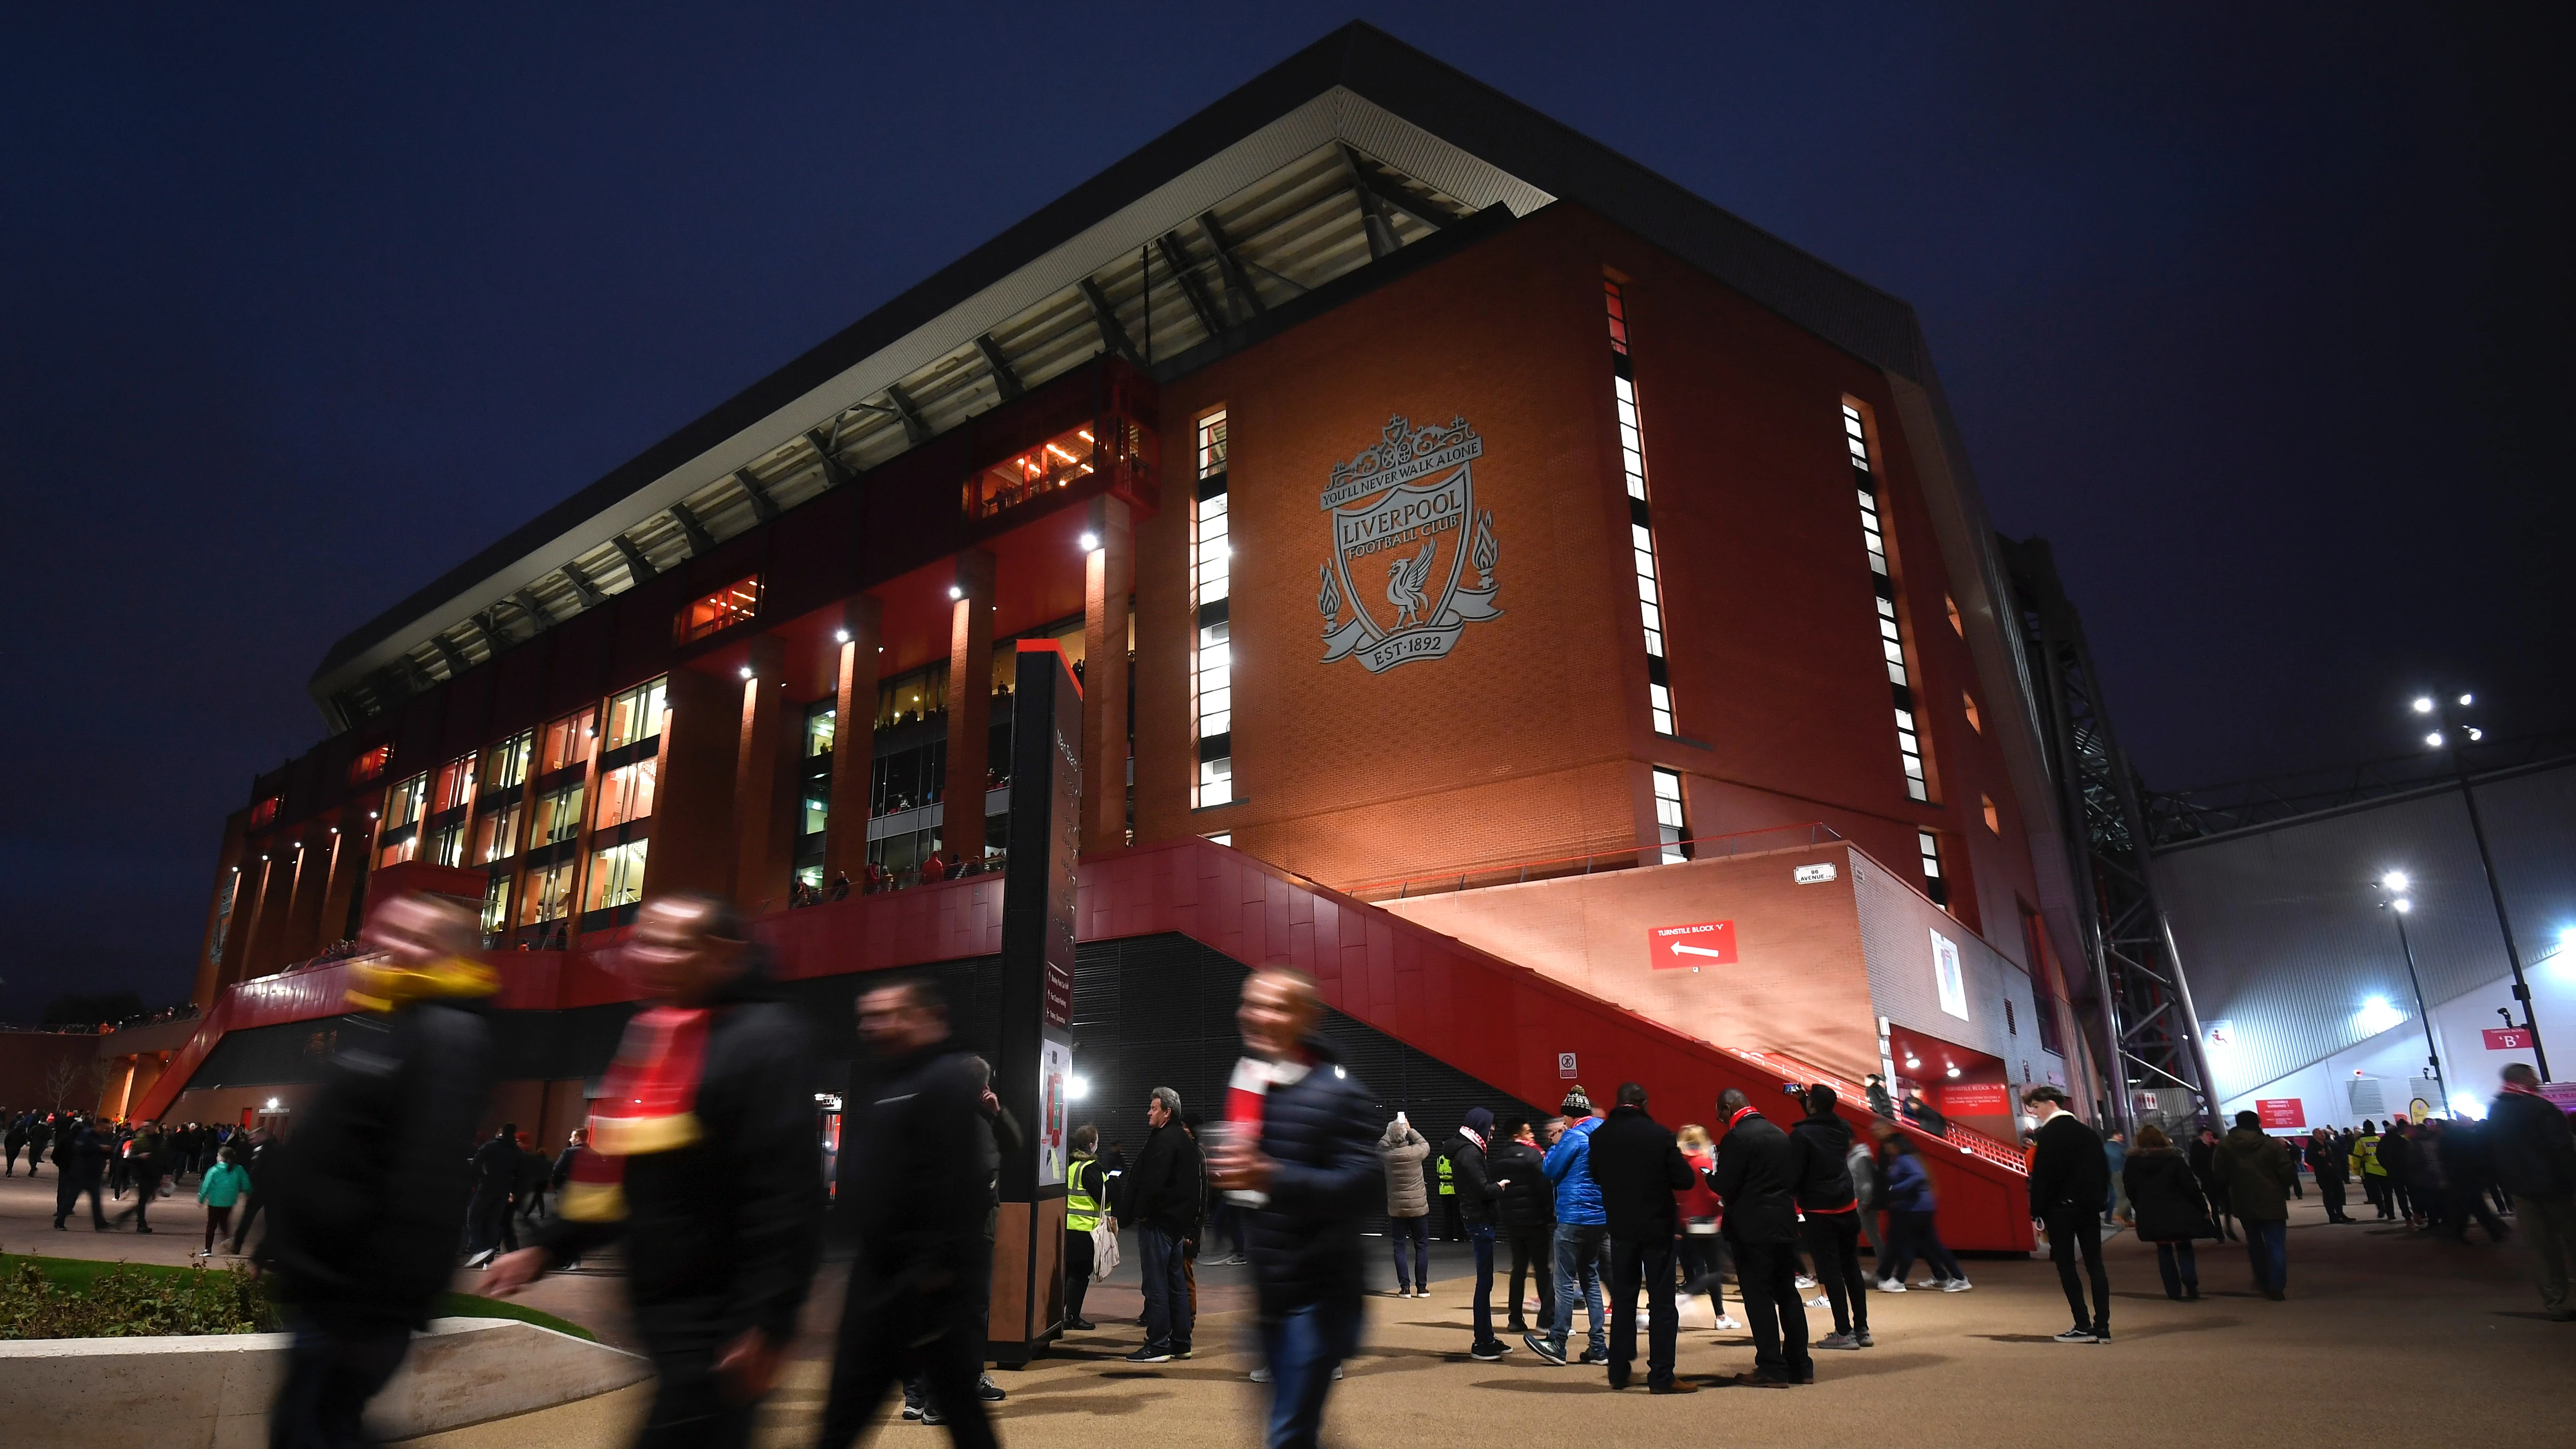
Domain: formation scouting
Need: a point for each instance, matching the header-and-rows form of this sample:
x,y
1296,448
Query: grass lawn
x,y
76,1274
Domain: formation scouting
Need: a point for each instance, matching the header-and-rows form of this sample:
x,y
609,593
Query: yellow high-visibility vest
x,y
1081,1199
1447,1188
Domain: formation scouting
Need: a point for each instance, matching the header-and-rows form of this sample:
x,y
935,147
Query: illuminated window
x,y
736,603
817,815
626,793
455,786
1968,706
1222,837
617,876
558,815
1994,822
549,894
635,715
496,906
496,835
1059,462
1934,885
371,764
264,813
1958,625
505,765
403,802
1211,570
567,742
1670,827
1641,531
224,898
819,729
447,845
1891,638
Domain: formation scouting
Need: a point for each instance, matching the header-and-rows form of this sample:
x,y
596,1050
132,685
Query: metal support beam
x,y
1005,377
526,599
639,569
1237,285
700,541
454,657
1373,207
915,431
763,507
835,473
1112,336
1169,243
591,597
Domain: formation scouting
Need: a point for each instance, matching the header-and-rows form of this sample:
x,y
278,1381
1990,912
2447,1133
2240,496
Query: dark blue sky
x,y
2258,313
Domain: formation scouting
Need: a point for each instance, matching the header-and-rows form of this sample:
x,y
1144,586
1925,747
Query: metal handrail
x,y
1969,1142
1703,847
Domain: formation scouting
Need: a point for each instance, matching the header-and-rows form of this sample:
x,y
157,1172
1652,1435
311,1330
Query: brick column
x,y
1109,576
762,859
970,705
854,743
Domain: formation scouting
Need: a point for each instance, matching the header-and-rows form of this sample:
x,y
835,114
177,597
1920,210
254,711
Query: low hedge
x,y
85,1298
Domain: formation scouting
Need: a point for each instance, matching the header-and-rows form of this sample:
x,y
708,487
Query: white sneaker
x,y
1890,1285
1957,1285
1726,1323
1820,1301
1805,1282
1930,1282
1261,1376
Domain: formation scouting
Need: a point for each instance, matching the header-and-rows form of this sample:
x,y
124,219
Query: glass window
x,y
737,602
818,732
264,813
496,906
558,815
912,698
1212,571
1059,462
398,851
496,835
447,846
567,742
1994,821
1968,704
1934,885
617,876
626,793
403,802
548,896
505,765
455,786
1669,824
1212,444
635,714
818,813
1641,529
371,764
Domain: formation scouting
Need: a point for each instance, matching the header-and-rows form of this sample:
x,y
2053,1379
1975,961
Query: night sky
x,y
2260,314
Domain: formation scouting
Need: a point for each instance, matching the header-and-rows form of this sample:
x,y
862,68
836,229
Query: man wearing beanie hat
x,y
1582,1236
1476,1195
1821,1153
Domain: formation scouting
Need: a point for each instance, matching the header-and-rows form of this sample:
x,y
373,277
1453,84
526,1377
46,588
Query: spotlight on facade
x,y
2434,739
841,636
1954,1071
2424,706
2376,1015
1076,1088
746,671
1090,541
2395,880
2476,734
2464,699
955,592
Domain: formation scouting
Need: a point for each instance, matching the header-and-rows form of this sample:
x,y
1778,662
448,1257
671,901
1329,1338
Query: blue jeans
x,y
1167,1290
2268,1245
1399,1232
1482,1235
2176,1265
1580,1252
1303,1346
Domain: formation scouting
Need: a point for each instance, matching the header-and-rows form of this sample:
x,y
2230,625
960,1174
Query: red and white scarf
x,y
649,1105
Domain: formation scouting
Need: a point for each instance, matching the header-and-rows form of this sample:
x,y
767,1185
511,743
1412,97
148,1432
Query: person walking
x,y
363,1211
1296,1154
2115,1154
144,1164
1582,1235
535,1174
1083,1214
1528,1212
705,1168
1163,1203
2257,1171
1829,1207
1639,1167
2326,1158
1756,1177
487,1213
217,1191
2365,1165
2067,1173
2397,1162
2165,1202
80,1164
250,1153
1869,1188
1476,1195
1701,1250
2469,1168
2534,1157
1913,1212
41,1133
1408,1203
2204,1163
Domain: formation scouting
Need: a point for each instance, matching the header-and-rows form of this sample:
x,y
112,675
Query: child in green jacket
x,y
219,1189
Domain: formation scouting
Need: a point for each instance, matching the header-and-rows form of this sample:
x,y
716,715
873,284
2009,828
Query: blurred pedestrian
x,y
1296,1151
2166,1203
2327,1160
80,1162
1757,1179
364,1207
1639,1167
704,1166
488,1228
1408,1203
534,1173
2257,1171
2204,1164
1701,1250
2535,1160
2067,1172
217,1191
144,1164
250,1153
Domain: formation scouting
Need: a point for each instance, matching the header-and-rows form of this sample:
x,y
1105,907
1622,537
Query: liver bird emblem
x,y
1404,580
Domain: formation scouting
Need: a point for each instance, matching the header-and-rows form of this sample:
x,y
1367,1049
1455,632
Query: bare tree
x,y
58,1082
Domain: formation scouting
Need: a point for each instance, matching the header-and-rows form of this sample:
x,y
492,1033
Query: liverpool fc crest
x,y
1406,530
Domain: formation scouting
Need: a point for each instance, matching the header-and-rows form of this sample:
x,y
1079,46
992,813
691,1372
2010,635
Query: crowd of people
x,y
104,1160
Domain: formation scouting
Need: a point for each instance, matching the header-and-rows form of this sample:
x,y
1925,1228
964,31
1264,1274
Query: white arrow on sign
x,y
1681,950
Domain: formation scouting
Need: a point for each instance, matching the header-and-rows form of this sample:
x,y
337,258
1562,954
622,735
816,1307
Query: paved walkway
x,y
2383,1327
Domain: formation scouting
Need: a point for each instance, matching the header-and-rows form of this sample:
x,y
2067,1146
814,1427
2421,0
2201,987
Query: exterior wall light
x,y
1090,541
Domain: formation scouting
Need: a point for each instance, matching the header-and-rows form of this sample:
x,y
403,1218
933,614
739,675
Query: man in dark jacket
x,y
365,1201
144,1163
2068,1176
487,1214
1640,1167
1821,1143
2326,1159
2258,1173
1528,1213
1476,1194
705,1166
1301,1157
80,1163
1163,1204
1757,1176
2534,1157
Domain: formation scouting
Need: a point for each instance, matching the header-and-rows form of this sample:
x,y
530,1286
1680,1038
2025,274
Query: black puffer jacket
x,y
1472,1178
1305,1241
1821,1148
1163,1187
914,1191
1530,1201
365,1199
2068,1170
724,1234
1757,1177
2165,1198
2530,1146
1639,1167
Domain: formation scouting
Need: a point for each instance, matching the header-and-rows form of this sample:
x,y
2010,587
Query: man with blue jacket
x,y
1582,1234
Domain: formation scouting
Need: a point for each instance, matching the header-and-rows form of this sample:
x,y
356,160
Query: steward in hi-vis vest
x,y
1082,1215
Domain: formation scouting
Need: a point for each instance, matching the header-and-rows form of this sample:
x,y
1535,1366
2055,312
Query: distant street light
x,y
2486,862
